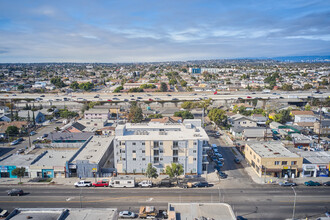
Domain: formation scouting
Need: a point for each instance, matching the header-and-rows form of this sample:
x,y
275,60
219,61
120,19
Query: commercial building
x,y
219,211
273,160
316,163
325,127
93,158
51,164
161,144
13,161
63,213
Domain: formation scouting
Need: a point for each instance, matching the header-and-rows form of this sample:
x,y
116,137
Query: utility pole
x,y
320,124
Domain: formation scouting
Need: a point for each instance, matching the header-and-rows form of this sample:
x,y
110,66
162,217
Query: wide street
x,y
252,202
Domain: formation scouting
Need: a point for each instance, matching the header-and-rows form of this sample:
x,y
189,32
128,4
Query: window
x,y
117,182
156,144
277,162
156,159
175,152
133,151
161,159
175,144
194,151
133,143
160,142
156,152
258,160
195,159
284,162
175,159
124,159
143,143
122,143
254,156
161,151
195,143
129,182
143,158
123,151
143,151
250,152
134,158
293,162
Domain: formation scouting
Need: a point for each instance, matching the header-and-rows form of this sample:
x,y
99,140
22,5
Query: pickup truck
x,y
101,183
83,183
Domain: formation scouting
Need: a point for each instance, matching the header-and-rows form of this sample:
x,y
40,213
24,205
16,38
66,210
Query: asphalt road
x,y
261,202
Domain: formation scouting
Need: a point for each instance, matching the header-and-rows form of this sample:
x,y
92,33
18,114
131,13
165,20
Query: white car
x,y
126,214
145,183
83,183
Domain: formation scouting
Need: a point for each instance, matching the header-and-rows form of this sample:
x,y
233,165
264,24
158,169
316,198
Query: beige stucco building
x,y
271,159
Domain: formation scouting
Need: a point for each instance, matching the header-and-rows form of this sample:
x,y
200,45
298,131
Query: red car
x,y
109,100
249,97
101,183
150,100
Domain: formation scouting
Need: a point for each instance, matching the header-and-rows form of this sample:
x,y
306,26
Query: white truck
x,y
83,183
122,182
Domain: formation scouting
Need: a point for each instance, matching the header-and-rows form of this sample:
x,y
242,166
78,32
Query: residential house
x,y
325,127
96,113
28,115
4,110
259,119
242,121
300,141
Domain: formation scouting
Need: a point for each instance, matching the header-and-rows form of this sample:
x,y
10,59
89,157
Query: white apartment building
x,y
161,144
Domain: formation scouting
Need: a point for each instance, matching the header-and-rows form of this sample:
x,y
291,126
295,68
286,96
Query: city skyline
x,y
142,31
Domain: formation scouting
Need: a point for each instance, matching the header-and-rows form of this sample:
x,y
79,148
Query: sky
x,y
166,30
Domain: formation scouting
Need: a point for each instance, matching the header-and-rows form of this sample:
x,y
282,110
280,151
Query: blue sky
x,y
134,31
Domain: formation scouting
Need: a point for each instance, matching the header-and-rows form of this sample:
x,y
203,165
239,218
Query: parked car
x,y
101,183
19,151
286,183
125,100
150,100
326,183
127,214
4,213
202,184
165,183
15,192
241,218
32,133
14,142
222,175
44,135
145,183
236,160
312,183
83,183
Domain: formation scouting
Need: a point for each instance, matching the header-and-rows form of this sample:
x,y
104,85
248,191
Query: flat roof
x,y
97,110
316,157
271,149
18,160
64,214
218,211
95,149
55,157
161,131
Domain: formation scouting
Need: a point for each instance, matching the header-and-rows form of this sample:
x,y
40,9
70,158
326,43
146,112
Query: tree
x,y
151,171
163,87
155,116
74,85
218,116
19,172
118,89
183,83
135,113
12,130
86,86
57,81
33,119
184,114
307,86
287,87
173,82
174,170
307,107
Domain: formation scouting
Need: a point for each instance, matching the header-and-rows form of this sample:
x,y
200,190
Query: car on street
x,y
157,99
145,183
175,99
202,184
116,99
109,100
83,183
127,214
15,192
326,183
44,135
236,160
312,183
101,183
241,218
248,97
222,175
150,100
125,100
19,151
286,183
32,133
168,95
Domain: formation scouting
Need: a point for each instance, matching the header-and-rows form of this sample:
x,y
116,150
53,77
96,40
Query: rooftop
x,y
315,157
55,158
271,150
95,149
218,211
161,131
18,160
57,136
97,110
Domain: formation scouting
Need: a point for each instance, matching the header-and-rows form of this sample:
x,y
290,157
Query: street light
x,y
294,203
